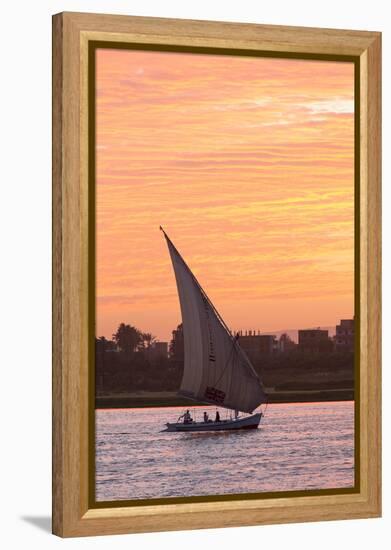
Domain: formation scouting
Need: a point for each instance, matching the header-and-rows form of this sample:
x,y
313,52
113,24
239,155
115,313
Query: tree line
x,y
129,339
125,364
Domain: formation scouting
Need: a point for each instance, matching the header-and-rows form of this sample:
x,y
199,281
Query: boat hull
x,y
244,423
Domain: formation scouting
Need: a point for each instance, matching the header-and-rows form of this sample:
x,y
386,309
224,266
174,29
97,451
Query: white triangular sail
x,y
216,369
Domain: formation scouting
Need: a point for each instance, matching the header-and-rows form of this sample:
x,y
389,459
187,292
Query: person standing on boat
x,y
217,419
206,417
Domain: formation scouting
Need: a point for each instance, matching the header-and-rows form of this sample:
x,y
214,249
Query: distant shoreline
x,y
171,399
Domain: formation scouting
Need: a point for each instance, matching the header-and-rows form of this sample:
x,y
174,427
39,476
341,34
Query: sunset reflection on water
x,y
298,446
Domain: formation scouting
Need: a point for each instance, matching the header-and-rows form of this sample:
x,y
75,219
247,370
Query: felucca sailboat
x,y
216,370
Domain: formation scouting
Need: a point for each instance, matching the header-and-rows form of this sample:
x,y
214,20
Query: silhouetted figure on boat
x,y
186,417
217,419
206,417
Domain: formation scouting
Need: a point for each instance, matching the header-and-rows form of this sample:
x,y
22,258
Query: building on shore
x,y
344,335
177,345
286,344
315,341
256,345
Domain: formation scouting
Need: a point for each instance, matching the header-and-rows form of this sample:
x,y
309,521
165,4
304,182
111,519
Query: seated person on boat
x,y
187,419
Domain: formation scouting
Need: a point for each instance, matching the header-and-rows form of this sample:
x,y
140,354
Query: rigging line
x,y
235,363
225,366
267,403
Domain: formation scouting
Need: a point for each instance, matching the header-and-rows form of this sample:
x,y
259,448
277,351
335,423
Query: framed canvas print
x,y
216,239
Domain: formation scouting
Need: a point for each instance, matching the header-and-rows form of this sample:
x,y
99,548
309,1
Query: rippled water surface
x,y
297,446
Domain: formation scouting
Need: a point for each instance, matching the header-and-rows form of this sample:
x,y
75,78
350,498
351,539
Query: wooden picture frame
x,y
73,222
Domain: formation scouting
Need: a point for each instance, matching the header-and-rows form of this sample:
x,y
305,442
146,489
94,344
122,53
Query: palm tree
x,y
127,338
147,340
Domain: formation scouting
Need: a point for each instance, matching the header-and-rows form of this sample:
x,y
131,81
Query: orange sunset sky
x,y
248,165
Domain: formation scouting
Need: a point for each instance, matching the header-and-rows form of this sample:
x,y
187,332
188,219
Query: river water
x,y
296,447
